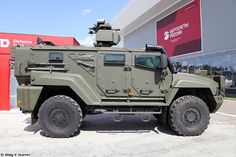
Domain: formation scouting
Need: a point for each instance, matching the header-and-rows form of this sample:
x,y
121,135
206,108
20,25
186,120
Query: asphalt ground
x,y
100,136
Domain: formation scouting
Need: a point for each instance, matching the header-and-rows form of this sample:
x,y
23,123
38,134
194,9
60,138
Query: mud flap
x,y
163,117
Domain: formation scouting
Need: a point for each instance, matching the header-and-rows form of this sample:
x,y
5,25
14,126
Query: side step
x,y
118,116
118,112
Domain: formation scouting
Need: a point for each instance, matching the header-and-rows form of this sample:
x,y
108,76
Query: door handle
x,y
145,92
112,91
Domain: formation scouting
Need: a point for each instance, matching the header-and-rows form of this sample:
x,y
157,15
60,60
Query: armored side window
x,y
111,59
148,61
55,57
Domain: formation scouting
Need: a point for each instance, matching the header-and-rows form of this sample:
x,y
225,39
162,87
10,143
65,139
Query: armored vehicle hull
x,y
60,85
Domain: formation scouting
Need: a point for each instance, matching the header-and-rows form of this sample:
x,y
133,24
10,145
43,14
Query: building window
x,y
225,64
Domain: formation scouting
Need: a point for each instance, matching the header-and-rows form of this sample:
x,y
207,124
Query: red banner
x,y
180,32
9,39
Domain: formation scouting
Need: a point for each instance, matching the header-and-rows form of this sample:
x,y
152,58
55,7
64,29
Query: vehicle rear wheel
x,y
188,116
60,116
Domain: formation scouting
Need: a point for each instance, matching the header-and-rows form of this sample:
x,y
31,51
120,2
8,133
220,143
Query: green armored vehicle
x,y
59,85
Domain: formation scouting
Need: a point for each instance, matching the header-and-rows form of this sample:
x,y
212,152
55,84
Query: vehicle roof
x,y
80,48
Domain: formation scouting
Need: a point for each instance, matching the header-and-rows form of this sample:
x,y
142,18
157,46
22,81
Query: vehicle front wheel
x,y
188,116
60,116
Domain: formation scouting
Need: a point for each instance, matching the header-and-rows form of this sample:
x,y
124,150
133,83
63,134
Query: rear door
x,y
112,74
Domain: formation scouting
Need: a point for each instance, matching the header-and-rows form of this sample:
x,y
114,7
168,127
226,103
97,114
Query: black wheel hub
x,y
59,118
191,117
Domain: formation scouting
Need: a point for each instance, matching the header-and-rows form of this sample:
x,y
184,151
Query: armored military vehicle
x,y
59,85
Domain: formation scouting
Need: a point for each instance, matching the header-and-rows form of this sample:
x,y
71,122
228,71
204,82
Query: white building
x,y
197,33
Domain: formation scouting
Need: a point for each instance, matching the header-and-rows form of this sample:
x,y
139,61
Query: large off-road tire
x,y
188,116
60,116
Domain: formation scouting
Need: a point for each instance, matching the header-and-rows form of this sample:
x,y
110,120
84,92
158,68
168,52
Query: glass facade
x,y
223,63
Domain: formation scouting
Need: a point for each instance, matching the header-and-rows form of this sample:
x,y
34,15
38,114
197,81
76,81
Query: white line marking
x,y
222,122
226,114
13,96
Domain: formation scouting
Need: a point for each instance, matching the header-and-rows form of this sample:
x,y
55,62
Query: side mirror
x,y
164,61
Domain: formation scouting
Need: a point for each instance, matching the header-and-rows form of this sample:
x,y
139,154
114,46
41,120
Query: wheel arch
x,y
50,91
203,93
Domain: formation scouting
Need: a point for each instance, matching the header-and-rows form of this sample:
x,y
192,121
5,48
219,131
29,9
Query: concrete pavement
x,y
100,136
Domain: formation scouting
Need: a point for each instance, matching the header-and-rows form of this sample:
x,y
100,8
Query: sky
x,y
57,17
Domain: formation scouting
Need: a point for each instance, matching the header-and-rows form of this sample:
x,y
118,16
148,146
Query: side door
x,y
112,74
146,74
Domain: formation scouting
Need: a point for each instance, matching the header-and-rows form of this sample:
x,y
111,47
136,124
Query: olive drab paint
x,y
120,80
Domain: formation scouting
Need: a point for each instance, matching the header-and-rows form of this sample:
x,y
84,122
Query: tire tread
x,y
67,99
171,116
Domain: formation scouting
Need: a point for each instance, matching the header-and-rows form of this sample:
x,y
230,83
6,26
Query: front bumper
x,y
219,102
